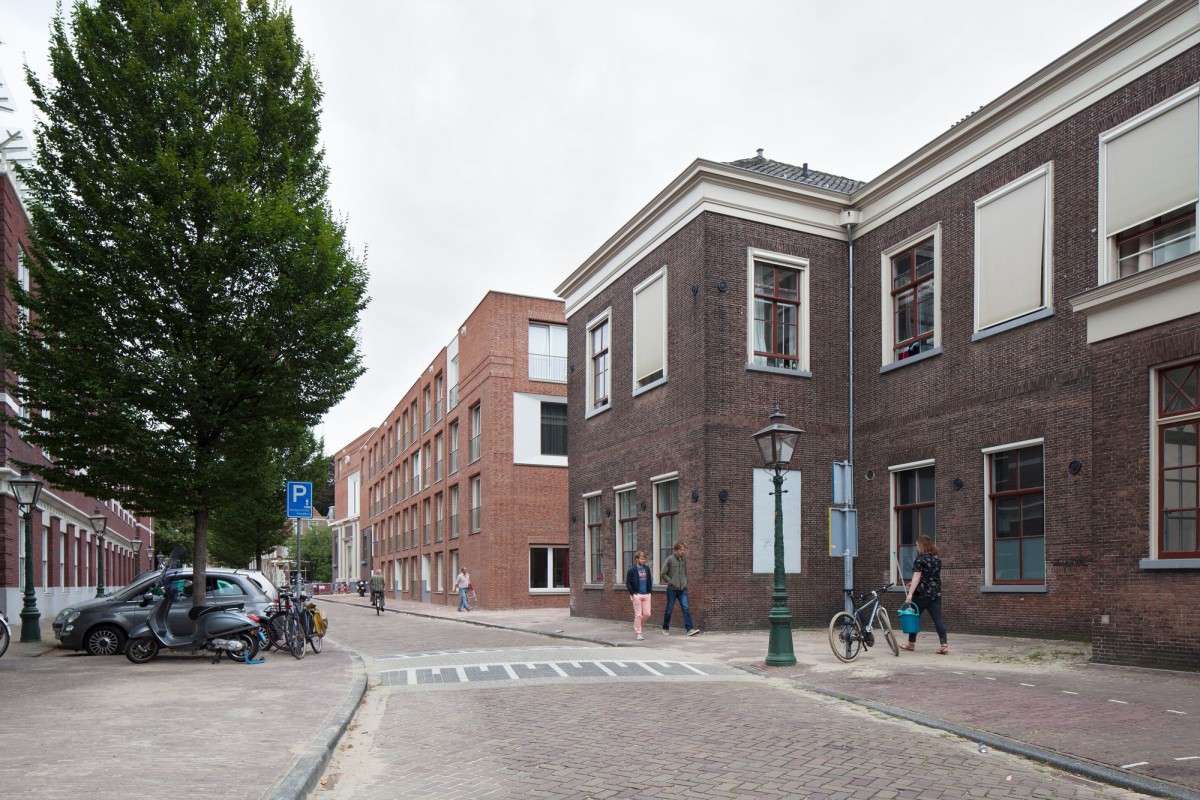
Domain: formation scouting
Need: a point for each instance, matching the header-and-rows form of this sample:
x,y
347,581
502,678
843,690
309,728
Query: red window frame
x,y
775,297
1021,492
1178,409
595,533
903,348
914,508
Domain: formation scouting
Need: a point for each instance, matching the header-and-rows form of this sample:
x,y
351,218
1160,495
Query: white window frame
x,y
1106,246
886,306
1046,173
989,518
660,274
619,567
551,370
550,550
655,533
801,265
591,409
893,529
589,576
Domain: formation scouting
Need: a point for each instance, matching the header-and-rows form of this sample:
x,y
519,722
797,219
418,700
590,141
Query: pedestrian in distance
x,y
639,582
463,584
377,585
925,591
674,575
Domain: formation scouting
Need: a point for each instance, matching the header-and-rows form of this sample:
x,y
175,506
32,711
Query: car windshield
x,y
138,588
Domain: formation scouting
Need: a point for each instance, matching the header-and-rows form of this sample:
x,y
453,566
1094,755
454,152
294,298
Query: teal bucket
x,y
910,618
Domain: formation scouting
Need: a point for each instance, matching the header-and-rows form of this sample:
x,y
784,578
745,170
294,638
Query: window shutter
x,y
650,329
1010,252
1153,168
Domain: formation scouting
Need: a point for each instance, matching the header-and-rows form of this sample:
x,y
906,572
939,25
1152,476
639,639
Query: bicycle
x,y
293,626
850,633
377,601
5,634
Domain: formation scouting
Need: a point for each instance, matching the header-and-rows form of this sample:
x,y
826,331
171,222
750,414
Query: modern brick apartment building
x,y
1018,306
351,547
66,551
470,466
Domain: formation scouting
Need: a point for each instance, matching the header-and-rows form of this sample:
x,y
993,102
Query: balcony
x,y
547,368
474,449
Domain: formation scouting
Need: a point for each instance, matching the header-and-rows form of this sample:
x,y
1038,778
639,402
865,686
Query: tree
x,y
255,522
193,297
316,550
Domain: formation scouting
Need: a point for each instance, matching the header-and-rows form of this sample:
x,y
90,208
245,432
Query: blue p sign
x,y
299,499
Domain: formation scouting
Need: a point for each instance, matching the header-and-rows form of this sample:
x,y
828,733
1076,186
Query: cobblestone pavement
x,y
670,721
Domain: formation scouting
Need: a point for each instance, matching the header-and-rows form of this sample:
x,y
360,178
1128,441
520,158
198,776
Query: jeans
x,y
462,600
935,612
681,595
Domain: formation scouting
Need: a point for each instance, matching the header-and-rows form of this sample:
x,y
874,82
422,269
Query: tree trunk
x,y
200,558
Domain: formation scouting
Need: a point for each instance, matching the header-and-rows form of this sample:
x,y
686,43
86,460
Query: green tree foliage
x,y
194,298
316,552
255,521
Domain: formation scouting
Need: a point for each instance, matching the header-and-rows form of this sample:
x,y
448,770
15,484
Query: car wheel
x,y
104,640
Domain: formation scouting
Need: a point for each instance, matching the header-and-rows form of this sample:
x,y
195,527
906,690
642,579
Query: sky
x,y
479,145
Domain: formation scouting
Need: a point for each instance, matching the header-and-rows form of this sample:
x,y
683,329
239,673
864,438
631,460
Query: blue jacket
x,y
631,579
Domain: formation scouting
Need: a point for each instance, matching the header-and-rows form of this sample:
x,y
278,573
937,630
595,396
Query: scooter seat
x,y
195,612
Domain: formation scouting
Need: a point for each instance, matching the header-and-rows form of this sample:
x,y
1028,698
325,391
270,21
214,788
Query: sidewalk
x,y
1042,699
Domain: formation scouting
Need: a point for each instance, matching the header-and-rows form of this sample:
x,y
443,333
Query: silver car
x,y
100,626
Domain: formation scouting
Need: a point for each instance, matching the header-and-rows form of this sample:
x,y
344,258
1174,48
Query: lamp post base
x,y
31,626
779,650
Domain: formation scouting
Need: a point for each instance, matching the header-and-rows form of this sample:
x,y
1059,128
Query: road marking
x,y
462,674
1064,691
693,669
558,669
649,668
986,678
1173,711
512,674
1031,685
956,672
606,670
1187,758
1135,764
1122,702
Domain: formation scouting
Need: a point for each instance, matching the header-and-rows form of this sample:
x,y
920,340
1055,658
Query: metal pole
x,y
31,627
296,588
100,566
779,650
848,560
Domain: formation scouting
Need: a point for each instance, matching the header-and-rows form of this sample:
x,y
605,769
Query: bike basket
x,y
910,618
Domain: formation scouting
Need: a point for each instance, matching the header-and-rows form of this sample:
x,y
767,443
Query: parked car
x,y
100,626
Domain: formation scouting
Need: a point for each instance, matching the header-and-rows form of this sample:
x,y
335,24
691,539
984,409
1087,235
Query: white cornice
x,y
704,186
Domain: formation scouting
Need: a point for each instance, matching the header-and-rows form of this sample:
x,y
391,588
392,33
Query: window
x,y
452,378
548,568
594,539
439,572
428,405
627,543
1178,463
1148,188
912,295
1012,249
1017,515
666,521
416,473
554,429
453,565
476,504
439,386
425,466
547,352
650,331
428,528
403,473
454,512
438,517
476,430
912,512
454,447
404,430
599,363
778,311
437,452
405,540
412,432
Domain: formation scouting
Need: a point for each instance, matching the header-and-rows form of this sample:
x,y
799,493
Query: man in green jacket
x,y
674,575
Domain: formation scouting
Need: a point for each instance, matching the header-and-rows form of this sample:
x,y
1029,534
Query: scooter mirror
x,y
147,599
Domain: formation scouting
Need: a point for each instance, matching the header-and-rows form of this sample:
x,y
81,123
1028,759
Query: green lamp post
x,y
99,527
777,443
27,489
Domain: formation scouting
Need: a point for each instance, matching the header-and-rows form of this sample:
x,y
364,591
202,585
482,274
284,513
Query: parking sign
x,y
299,499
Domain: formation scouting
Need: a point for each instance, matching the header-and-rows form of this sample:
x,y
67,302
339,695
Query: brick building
x,y
350,545
66,551
1018,304
470,466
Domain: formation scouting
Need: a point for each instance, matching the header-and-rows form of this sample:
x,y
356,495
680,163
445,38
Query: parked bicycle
x,y
5,634
295,625
850,633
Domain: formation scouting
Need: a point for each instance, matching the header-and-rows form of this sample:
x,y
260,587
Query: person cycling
x,y
376,586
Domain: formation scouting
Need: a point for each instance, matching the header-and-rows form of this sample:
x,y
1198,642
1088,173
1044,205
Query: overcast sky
x,y
488,144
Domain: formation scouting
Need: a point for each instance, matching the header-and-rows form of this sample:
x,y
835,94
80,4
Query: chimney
x,y
805,173
760,155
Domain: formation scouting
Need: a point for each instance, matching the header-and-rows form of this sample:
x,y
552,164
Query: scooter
x,y
220,628
362,588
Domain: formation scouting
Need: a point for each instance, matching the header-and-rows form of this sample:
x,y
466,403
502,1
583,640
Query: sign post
x,y
299,506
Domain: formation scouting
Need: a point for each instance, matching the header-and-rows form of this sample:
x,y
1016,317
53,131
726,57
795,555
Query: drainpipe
x,y
850,218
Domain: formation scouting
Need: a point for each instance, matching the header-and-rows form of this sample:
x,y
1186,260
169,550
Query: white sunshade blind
x,y
1011,253
1153,168
649,318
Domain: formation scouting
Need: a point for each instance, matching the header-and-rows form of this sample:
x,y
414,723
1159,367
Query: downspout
x,y
850,218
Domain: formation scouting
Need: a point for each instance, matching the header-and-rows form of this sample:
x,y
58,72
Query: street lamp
x,y
27,489
99,527
137,551
150,557
777,442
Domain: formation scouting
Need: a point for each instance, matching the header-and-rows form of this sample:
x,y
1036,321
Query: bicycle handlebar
x,y
871,593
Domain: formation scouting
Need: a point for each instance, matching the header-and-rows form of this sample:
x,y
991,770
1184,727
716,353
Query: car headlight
x,y
66,616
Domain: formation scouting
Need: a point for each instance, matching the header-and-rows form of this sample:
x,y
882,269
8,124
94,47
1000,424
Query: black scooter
x,y
221,628
362,588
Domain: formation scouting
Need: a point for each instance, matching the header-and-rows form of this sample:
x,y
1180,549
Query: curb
x,y
304,775
1070,764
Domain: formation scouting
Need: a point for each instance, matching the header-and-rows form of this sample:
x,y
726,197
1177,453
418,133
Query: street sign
x,y
843,532
299,500
843,475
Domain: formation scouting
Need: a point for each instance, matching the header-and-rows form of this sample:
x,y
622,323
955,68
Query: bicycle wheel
x,y
845,637
888,633
277,631
295,636
4,637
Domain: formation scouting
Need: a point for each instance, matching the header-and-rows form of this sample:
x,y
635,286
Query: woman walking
x,y
925,591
